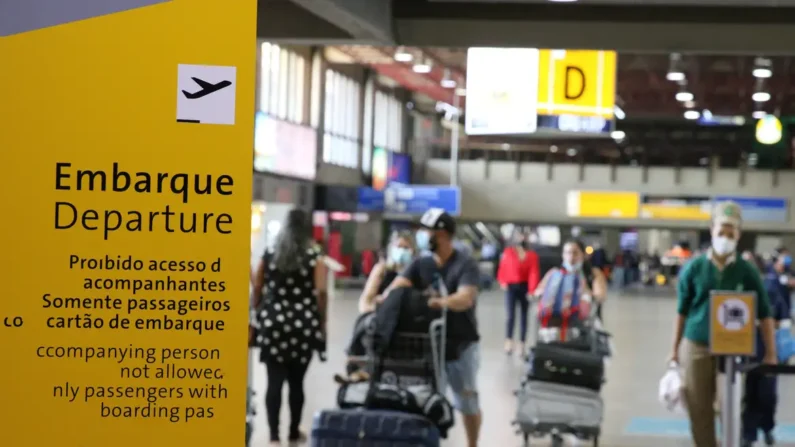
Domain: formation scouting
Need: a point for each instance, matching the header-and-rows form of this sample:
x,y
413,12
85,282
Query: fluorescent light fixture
x,y
761,97
422,67
692,114
447,80
505,146
448,83
675,76
762,73
759,114
619,113
553,149
690,104
618,135
571,152
706,114
461,91
402,55
684,96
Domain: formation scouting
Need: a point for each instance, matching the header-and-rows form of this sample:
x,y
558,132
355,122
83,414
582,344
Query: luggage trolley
x,y
556,410
411,359
415,358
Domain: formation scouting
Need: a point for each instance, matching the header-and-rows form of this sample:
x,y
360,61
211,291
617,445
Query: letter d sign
x,y
574,76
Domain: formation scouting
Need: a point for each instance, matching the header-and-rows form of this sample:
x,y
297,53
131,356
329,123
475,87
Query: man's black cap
x,y
438,219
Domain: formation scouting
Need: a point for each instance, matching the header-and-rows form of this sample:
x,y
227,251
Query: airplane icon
x,y
207,88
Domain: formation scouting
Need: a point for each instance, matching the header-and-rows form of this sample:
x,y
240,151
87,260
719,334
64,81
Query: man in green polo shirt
x,y
721,268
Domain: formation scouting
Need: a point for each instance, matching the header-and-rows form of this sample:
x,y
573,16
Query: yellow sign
x,y
126,131
577,82
769,130
603,204
732,323
674,212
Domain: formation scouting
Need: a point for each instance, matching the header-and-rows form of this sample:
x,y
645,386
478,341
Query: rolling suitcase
x,y
541,404
558,364
372,428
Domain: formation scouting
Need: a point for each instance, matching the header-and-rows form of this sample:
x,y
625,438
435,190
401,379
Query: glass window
x,y
282,80
367,138
388,131
342,124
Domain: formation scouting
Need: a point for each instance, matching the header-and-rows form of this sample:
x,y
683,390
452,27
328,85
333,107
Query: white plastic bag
x,y
671,390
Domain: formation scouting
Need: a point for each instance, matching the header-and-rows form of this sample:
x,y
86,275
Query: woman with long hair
x,y
290,296
399,254
590,283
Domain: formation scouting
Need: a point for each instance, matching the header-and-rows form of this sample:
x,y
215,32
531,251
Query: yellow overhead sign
x,y
674,212
603,204
577,82
127,131
732,323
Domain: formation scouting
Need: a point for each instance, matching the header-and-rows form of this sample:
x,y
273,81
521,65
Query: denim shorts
x,y
462,375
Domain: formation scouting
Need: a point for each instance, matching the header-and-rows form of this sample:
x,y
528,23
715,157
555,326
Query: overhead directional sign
x,y
127,235
577,82
417,199
760,209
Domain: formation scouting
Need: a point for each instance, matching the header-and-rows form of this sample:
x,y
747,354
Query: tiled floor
x,y
641,327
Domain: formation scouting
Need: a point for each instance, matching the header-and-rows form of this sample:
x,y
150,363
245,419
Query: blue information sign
x,y
371,200
760,209
416,199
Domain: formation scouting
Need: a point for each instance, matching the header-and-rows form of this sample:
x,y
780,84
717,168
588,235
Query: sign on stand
x,y
127,155
732,323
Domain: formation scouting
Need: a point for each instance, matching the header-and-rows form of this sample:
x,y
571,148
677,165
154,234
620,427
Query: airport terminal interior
x,y
626,150
622,124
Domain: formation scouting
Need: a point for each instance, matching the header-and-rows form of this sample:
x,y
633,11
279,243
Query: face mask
x,y
723,245
787,260
423,239
575,267
400,256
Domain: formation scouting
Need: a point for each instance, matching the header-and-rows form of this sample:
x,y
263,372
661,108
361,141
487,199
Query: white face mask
x,y
723,245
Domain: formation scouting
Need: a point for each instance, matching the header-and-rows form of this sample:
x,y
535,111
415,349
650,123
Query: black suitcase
x,y
565,366
588,340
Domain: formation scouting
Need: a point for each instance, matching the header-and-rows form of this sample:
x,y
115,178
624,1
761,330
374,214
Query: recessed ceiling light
x,y
448,83
553,148
684,96
461,91
692,115
571,152
761,97
690,104
422,67
618,135
762,73
402,55
619,113
759,114
675,76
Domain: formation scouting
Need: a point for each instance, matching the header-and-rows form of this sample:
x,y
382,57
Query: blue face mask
x,y
572,267
787,260
399,255
423,239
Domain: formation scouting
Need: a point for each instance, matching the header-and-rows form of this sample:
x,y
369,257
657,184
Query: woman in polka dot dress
x,y
290,298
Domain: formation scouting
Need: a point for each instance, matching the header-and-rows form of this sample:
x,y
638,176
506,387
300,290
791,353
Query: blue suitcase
x,y
372,428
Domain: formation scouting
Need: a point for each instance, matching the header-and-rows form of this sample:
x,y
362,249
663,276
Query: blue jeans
x,y
516,294
462,374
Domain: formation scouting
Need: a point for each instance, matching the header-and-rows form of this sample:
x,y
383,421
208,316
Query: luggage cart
x,y
587,405
411,358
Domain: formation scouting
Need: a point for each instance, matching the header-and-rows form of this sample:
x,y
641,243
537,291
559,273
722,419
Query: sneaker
x,y
769,439
508,347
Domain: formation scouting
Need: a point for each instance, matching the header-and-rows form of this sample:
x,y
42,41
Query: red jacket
x,y
513,270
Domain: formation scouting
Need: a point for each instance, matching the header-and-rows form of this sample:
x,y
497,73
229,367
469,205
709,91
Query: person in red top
x,y
518,272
